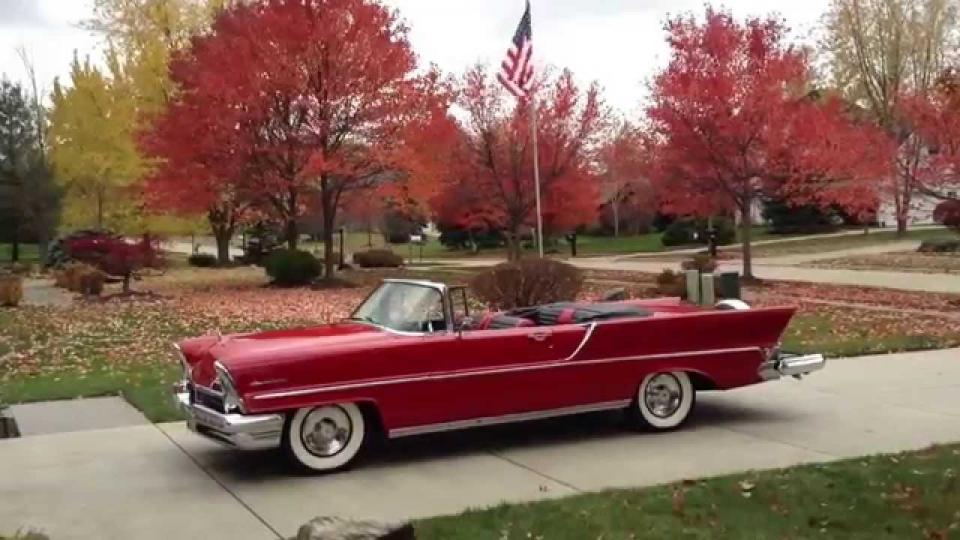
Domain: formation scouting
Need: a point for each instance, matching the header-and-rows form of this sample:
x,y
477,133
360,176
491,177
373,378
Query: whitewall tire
x,y
326,438
663,402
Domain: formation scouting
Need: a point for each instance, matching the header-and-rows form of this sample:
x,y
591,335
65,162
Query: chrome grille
x,y
208,398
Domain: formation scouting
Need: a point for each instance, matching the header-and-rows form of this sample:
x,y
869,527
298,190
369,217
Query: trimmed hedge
x,y
202,260
940,245
377,258
292,268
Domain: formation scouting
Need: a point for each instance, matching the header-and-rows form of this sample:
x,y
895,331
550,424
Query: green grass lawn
x,y
146,387
28,253
909,495
587,245
835,243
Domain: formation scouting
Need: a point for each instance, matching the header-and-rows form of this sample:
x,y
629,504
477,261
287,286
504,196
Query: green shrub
x,y
940,245
686,231
678,233
785,218
527,282
377,258
202,260
292,267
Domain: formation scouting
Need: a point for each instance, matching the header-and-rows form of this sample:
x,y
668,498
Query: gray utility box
x,y
700,288
708,296
728,285
693,286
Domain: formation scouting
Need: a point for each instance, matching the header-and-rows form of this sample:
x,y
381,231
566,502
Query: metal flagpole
x,y
536,172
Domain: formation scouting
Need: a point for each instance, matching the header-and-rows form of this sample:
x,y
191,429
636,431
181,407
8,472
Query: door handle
x,y
539,336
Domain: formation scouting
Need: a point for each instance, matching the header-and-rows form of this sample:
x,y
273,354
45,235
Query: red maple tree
x,y
490,178
202,160
734,124
626,191
319,93
934,119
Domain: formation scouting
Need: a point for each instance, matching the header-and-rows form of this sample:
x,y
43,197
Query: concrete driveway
x,y
162,482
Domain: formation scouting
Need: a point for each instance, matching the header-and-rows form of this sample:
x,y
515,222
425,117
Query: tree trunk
x,y
328,208
292,233
901,199
126,283
328,260
514,248
15,240
901,224
615,206
746,233
223,246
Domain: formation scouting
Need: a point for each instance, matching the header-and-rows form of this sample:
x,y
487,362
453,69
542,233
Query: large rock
x,y
334,528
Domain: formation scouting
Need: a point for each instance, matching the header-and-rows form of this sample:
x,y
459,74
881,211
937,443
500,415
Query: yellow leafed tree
x,y
92,147
96,117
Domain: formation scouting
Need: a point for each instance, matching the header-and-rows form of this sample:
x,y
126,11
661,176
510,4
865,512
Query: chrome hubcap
x,y
326,431
663,395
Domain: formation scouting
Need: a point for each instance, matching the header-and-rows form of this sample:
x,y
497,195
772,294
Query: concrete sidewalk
x,y
161,482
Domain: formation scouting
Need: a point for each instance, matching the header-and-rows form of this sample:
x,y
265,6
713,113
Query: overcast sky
x,y
619,43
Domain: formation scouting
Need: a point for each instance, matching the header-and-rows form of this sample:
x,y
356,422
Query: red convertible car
x,y
411,360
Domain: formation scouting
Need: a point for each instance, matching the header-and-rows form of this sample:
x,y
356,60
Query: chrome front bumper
x,y
242,431
791,365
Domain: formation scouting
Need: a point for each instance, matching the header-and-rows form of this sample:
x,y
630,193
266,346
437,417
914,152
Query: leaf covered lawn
x,y
123,346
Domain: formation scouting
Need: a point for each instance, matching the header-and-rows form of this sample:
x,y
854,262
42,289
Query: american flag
x,y
516,71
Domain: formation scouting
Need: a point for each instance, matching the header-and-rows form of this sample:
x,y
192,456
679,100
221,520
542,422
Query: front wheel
x,y
324,439
663,401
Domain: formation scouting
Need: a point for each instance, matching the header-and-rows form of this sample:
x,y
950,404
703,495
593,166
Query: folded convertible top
x,y
575,313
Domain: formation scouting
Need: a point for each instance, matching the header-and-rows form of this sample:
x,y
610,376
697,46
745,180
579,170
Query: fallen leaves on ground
x,y
124,334
901,261
132,332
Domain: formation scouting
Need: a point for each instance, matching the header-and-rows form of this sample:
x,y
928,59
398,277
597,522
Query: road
x,y
160,482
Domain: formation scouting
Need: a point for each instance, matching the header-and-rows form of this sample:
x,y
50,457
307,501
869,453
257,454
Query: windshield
x,y
405,307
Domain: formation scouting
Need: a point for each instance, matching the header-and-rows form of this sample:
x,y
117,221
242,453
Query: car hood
x,y
251,355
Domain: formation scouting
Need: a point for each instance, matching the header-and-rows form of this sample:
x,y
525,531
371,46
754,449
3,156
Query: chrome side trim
x,y
395,332
481,372
583,342
506,419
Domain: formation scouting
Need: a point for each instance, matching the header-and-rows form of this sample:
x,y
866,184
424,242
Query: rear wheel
x,y
663,402
325,439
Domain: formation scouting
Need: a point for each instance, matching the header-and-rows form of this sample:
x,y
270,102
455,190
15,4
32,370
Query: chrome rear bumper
x,y
242,431
791,365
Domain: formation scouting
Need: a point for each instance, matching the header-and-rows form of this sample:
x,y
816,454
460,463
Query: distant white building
x,y
921,210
